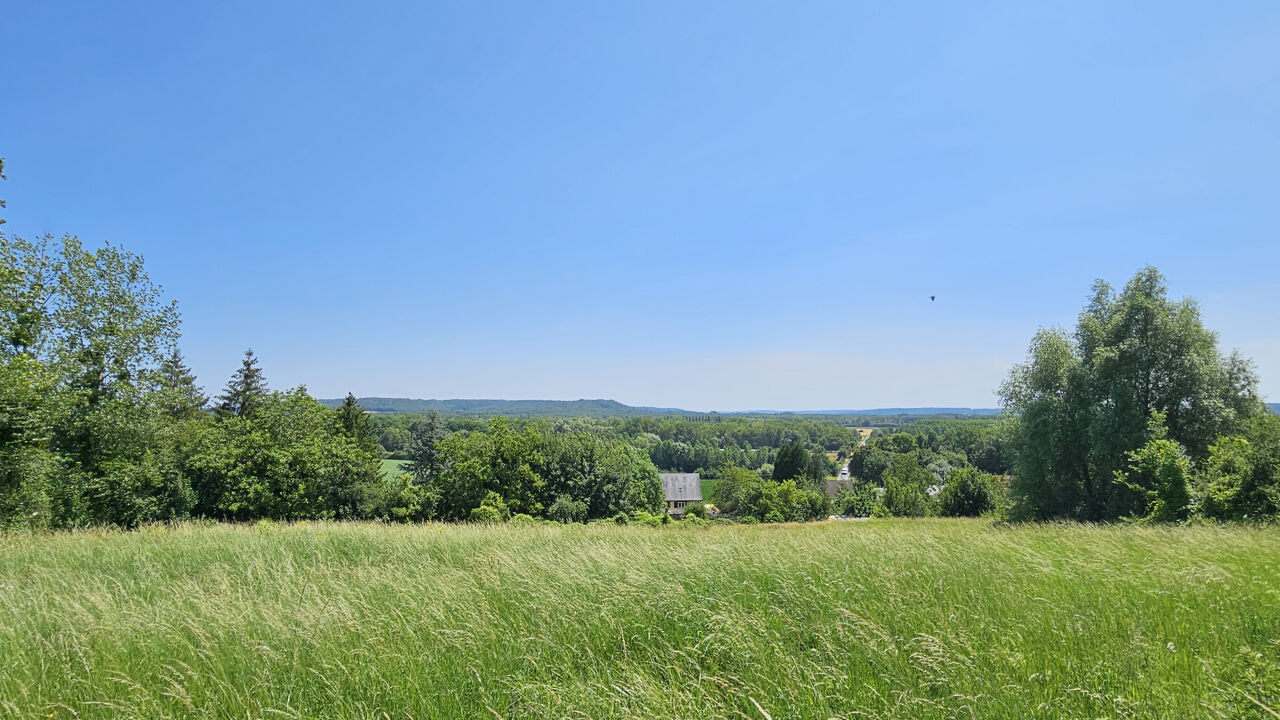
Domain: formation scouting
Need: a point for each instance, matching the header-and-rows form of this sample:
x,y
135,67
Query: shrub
x,y
968,494
695,510
904,487
1241,478
1158,472
858,503
646,519
493,509
566,510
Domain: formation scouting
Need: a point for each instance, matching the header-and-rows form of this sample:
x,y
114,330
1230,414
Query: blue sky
x,y
706,205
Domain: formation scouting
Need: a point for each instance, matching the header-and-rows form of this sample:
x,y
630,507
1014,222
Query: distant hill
x,y
511,408
603,409
1275,407
900,411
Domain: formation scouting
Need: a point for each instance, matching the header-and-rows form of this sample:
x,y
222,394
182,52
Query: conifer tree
x,y
427,462
180,397
245,391
355,423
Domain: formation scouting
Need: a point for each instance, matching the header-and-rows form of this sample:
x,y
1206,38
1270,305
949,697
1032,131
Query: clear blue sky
x,y
706,205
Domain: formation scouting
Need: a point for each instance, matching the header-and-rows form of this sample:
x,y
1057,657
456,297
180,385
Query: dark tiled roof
x,y
685,487
835,486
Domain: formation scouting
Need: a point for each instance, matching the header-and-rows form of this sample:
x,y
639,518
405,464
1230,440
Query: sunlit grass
x,y
930,619
392,468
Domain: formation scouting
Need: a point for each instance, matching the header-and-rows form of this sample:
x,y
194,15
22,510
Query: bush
x,y
695,510
485,514
396,499
741,491
968,494
904,487
567,510
748,520
492,510
1240,479
620,519
646,519
857,503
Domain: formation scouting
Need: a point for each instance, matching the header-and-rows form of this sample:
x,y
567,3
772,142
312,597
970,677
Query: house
x,y
835,486
680,490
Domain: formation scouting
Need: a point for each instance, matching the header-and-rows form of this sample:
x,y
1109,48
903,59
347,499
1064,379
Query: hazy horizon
x,y
729,207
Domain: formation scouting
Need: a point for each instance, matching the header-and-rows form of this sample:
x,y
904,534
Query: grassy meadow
x,y
909,619
392,468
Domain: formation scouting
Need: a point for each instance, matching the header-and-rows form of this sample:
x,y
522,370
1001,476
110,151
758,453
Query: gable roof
x,y
835,486
686,487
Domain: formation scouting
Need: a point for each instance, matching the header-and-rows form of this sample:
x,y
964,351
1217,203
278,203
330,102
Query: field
x,y
926,618
393,467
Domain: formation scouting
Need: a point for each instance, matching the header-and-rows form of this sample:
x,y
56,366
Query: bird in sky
x,y
931,297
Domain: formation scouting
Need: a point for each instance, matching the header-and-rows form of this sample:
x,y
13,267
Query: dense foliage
x,y
539,473
102,423
745,494
1135,413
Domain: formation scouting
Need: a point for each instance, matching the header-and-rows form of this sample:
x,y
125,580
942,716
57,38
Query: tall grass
x,y
918,619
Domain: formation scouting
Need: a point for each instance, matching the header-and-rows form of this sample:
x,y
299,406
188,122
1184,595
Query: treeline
x,y
1135,415
101,423
673,444
789,478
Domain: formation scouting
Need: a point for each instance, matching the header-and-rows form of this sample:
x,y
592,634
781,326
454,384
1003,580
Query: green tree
x,y
817,471
355,423
289,459
491,510
89,332
1083,401
901,443
514,457
567,510
427,461
177,392
107,334
611,476
869,463
1159,470
29,470
735,485
245,391
968,493
859,501
905,484
1240,480
791,463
